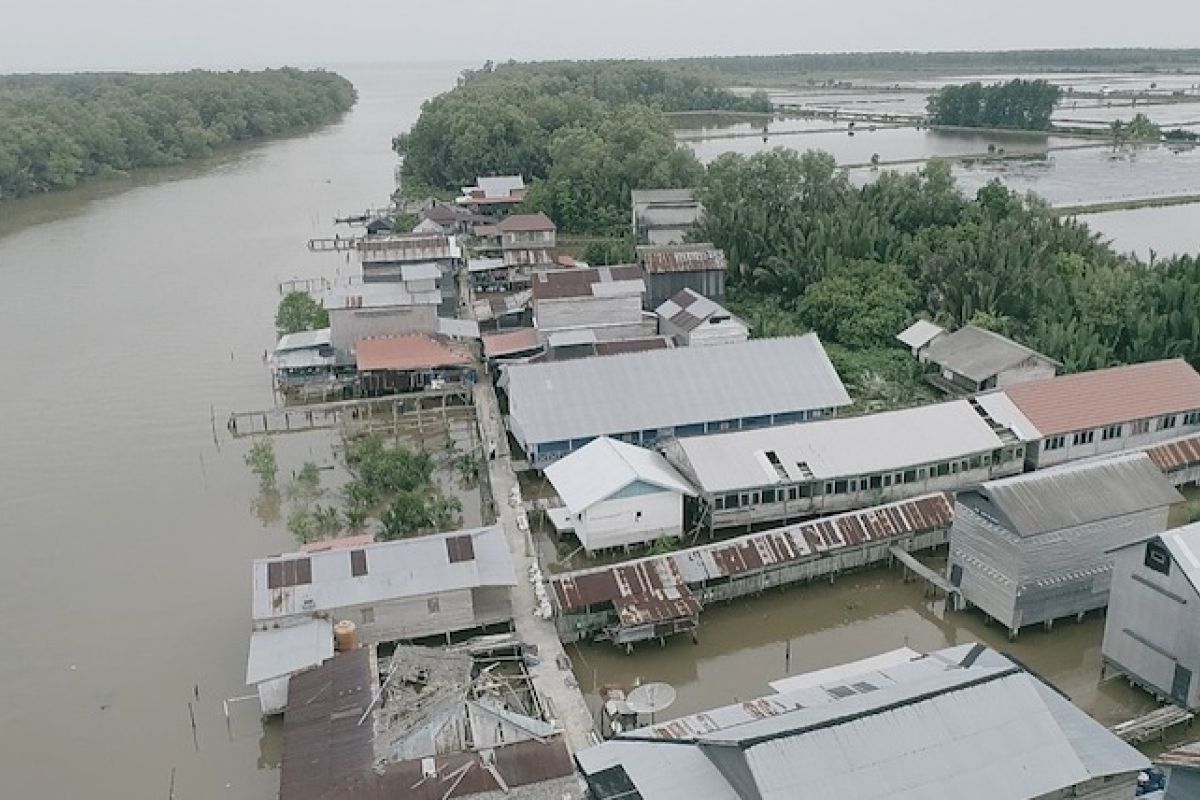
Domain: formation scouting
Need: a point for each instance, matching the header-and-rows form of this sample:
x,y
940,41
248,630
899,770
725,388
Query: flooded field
x,y
1167,232
890,144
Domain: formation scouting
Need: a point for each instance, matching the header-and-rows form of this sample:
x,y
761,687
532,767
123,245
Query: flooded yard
x,y
1168,231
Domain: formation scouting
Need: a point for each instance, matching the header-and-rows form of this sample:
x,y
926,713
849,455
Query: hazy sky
x,y
157,34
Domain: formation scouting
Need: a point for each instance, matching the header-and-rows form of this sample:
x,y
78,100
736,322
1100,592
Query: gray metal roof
x,y
304,340
979,354
687,309
1184,544
920,333
413,567
647,196
386,294
976,726
1075,494
657,389
835,448
275,652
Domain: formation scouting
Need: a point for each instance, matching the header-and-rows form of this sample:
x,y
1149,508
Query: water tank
x,y
345,636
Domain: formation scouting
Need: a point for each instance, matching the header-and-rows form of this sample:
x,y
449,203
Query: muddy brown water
x,y
133,312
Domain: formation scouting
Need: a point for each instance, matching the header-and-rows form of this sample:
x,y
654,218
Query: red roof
x,y
527,222
402,353
509,342
1088,400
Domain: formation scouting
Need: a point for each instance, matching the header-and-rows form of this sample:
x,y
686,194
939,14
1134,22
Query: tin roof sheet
x,y
414,567
304,340
920,333
605,466
496,345
979,354
1176,455
1087,400
681,258
571,283
658,389
577,590
832,448
275,652
688,310
409,352
1051,500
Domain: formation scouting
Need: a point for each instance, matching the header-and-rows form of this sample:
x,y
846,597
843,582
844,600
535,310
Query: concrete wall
x,y
621,521
348,325
1039,456
1035,371
1151,624
1024,580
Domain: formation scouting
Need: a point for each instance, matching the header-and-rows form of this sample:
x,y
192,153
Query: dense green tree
x,y
861,304
58,130
1020,104
298,311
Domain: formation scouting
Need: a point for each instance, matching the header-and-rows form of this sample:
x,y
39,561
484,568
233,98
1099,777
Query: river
x,y
133,313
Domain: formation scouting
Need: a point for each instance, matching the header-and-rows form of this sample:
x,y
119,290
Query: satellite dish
x,y
650,698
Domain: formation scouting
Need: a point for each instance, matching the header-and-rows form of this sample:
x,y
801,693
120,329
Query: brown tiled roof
x,y
527,222
579,282
400,353
1088,400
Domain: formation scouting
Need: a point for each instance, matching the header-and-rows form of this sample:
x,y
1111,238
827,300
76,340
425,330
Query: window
x,y
719,503
1083,437
1111,432
434,605
1054,443
853,485
910,476
731,501
792,493
768,495
887,480
839,487
1139,427
1166,422
294,572
806,490
358,563
1191,418
368,615
637,517
876,482
976,462
942,469
1157,557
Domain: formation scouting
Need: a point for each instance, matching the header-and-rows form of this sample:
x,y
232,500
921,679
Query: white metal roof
x,y
666,388
603,467
835,448
1000,407
843,672
498,185
303,340
1051,500
458,328
275,652
1184,544
484,264
920,333
964,722
404,568
302,359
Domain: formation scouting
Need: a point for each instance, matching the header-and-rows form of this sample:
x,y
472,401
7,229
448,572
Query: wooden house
x,y
393,591
663,216
366,310
670,268
1152,632
410,363
616,495
1095,413
972,359
605,302
1035,548
693,320
528,241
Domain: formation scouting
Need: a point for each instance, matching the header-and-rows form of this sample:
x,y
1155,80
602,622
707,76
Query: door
x,y
1181,685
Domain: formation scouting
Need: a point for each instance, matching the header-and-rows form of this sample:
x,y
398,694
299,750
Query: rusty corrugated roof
x,y
1176,455
681,258
326,753
642,583
520,764
409,352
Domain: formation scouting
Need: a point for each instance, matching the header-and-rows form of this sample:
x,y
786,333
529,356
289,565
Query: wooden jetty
x,y
1152,725
932,579
390,412
333,244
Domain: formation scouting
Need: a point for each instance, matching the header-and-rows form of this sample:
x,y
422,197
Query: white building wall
x,y
618,522
1099,446
1152,624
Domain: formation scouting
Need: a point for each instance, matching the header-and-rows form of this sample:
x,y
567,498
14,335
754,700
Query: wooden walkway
x,y
1153,724
937,581
392,411
335,244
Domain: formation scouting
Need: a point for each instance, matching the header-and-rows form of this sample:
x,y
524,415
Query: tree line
x,y
807,249
59,130
1017,104
585,134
